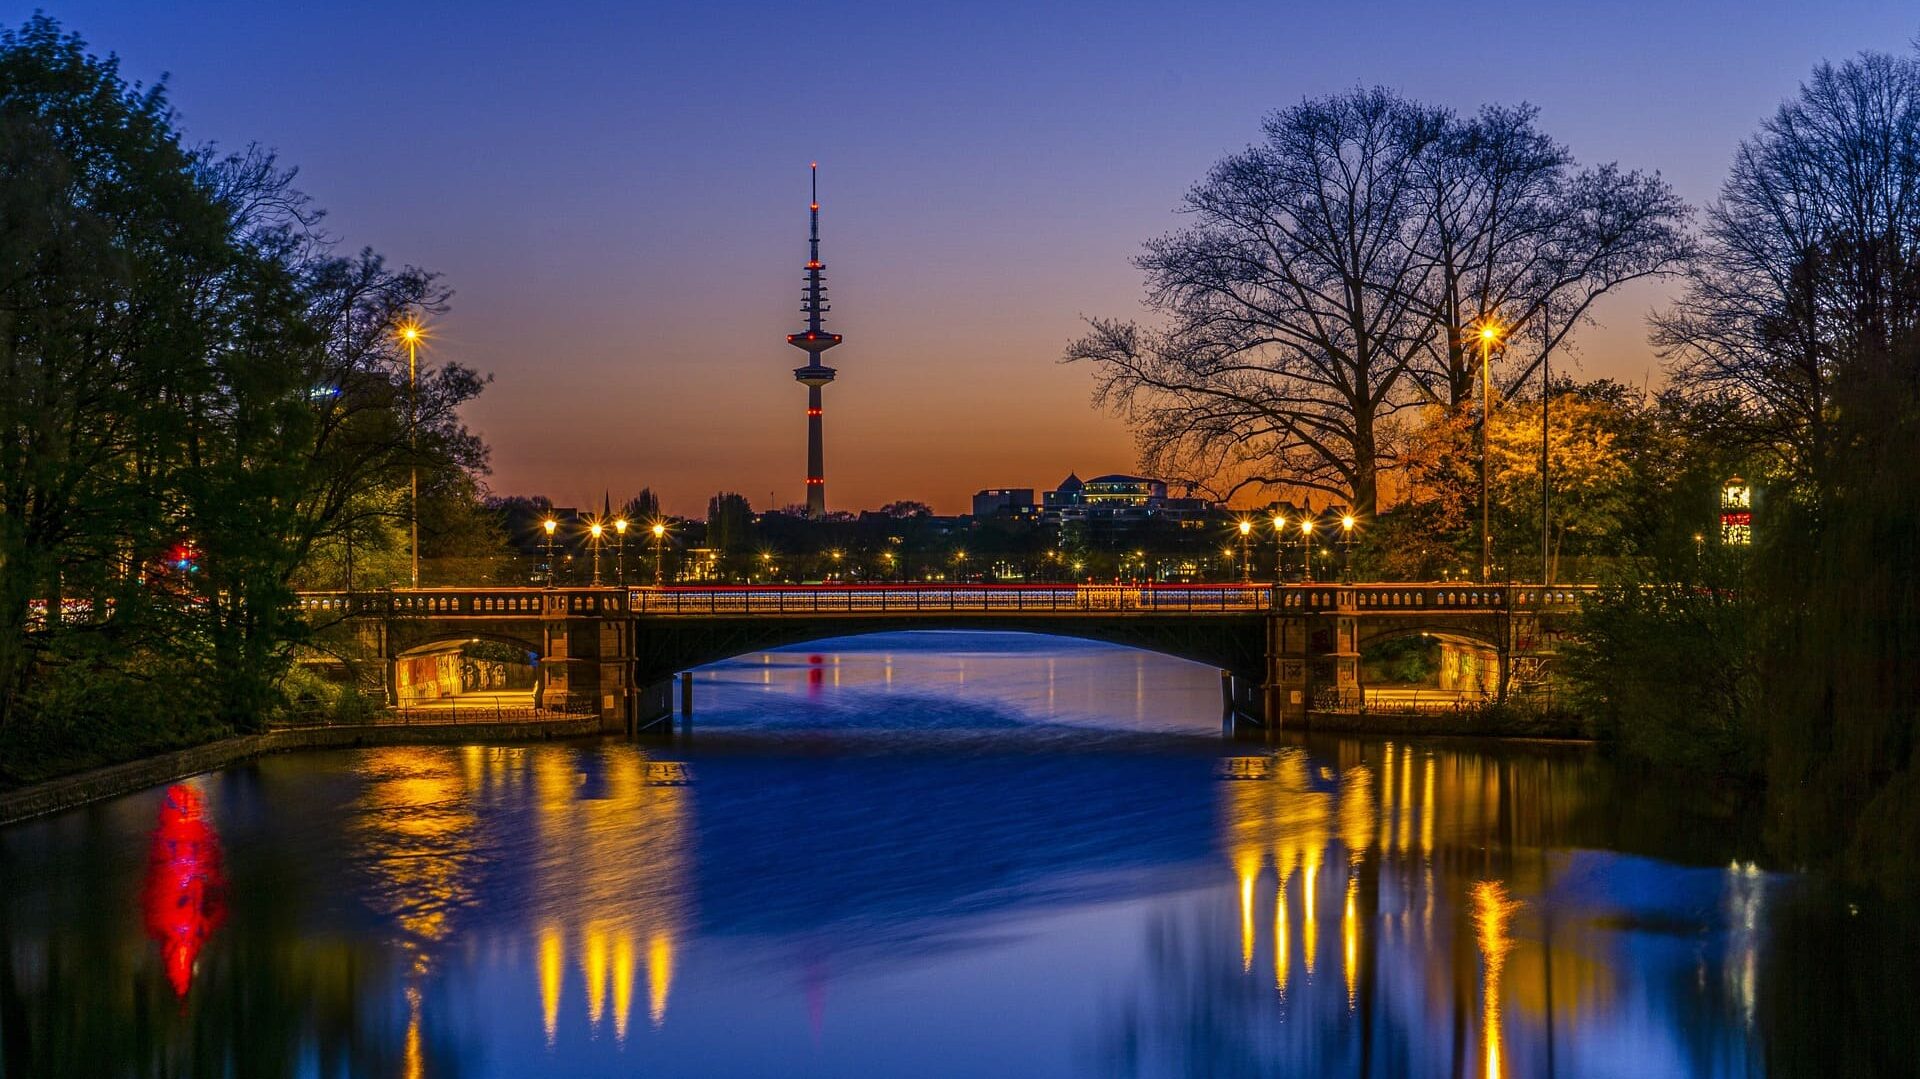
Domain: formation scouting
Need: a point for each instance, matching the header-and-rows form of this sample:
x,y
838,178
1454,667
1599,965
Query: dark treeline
x,y
1318,333
1798,339
200,401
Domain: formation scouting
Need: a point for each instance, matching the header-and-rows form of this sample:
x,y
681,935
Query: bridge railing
x,y
1427,598
475,602
907,599
1382,598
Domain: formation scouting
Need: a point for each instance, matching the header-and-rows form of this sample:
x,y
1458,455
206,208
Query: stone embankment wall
x,y
117,779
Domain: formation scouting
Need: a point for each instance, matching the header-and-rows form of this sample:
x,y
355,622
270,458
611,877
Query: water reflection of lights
x,y
1491,911
1746,890
185,893
1249,871
612,881
1280,934
1350,935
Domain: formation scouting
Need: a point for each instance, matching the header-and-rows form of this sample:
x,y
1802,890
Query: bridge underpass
x,y
1287,651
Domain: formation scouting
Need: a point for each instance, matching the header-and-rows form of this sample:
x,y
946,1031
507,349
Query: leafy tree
x,y
642,507
183,363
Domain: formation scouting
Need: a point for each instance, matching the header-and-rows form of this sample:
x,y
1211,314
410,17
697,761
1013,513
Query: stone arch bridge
x,y
1286,650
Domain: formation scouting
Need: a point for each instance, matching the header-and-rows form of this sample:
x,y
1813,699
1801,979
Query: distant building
x,y
999,501
1116,499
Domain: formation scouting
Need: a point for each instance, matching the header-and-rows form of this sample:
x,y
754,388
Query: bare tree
x,y
1335,276
1294,306
1518,236
1813,242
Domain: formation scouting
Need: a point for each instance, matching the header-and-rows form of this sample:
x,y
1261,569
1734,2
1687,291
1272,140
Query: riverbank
x,y
1489,721
67,792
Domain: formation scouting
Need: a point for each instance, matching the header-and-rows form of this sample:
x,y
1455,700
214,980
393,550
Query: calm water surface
x,y
933,854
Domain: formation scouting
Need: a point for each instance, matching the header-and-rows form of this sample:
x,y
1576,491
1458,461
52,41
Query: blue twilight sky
x,y
617,192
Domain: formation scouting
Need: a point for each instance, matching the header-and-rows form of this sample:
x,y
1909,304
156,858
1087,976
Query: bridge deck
x,y
886,600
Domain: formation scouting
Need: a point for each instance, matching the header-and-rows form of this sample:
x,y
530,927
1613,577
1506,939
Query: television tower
x,y
814,340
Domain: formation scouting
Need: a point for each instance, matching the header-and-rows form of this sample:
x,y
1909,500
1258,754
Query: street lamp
x,y
620,548
1490,331
659,531
1346,547
594,532
1279,527
549,524
411,333
1246,550
1306,538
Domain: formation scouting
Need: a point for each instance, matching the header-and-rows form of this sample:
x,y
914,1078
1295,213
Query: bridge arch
x,y
1373,632
664,647
407,637
432,641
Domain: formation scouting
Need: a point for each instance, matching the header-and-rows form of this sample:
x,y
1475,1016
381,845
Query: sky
x,y
617,192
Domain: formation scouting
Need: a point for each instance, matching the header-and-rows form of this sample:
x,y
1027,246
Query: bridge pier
x,y
589,657
1313,655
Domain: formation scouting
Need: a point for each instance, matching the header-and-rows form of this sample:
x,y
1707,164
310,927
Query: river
x,y
935,854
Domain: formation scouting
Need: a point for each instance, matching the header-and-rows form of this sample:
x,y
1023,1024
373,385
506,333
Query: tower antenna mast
x,y
813,341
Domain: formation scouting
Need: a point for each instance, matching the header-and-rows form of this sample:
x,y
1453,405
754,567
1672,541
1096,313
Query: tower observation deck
x,y
814,340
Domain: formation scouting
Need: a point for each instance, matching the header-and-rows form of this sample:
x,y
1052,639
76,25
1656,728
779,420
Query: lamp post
x,y
1246,550
594,532
659,533
1279,545
1306,538
1489,335
550,524
1346,548
411,333
620,549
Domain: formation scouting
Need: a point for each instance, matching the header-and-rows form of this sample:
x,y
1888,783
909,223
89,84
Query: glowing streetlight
x,y
620,549
1346,547
1279,529
1246,550
594,532
659,531
1490,334
410,333
550,525
1306,539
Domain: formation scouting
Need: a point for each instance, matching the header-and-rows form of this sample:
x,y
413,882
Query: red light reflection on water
x,y
815,675
185,894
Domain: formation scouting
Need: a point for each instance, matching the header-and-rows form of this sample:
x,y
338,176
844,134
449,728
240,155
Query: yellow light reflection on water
x,y
1280,934
593,964
1309,936
659,976
1249,867
1350,935
1491,911
1403,806
612,873
622,986
413,1064
553,951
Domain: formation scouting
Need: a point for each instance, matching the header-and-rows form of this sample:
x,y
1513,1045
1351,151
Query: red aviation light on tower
x,y
813,340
